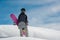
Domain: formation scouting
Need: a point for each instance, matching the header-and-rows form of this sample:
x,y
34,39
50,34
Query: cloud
x,y
55,26
44,15
38,2
30,2
55,9
53,18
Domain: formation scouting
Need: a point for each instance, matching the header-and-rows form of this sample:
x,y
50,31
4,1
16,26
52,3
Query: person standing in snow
x,y
23,22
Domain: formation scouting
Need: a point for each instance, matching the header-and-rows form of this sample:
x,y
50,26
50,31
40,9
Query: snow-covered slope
x,y
21,38
34,32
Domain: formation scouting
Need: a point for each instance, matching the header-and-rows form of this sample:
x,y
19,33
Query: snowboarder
x,y
23,22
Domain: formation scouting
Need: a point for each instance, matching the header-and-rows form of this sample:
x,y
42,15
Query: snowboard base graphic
x,y
23,32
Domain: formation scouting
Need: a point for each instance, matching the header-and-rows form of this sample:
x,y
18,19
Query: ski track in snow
x,y
11,32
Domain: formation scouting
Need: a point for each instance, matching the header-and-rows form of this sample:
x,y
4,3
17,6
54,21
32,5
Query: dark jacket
x,y
22,18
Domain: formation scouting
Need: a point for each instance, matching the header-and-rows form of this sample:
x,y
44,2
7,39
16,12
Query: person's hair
x,y
23,9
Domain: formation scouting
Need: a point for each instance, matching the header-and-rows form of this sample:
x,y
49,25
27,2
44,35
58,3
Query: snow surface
x,y
11,32
21,38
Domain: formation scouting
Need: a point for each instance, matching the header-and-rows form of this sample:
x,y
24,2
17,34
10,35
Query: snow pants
x,y
23,27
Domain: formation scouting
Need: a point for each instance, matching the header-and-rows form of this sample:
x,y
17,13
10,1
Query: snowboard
x,y
13,17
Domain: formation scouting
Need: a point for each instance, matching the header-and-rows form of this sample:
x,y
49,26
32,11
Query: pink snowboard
x,y
14,18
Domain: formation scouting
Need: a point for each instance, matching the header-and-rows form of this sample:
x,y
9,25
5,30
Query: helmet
x,y
23,9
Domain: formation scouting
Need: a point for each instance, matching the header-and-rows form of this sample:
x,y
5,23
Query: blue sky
x,y
40,12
